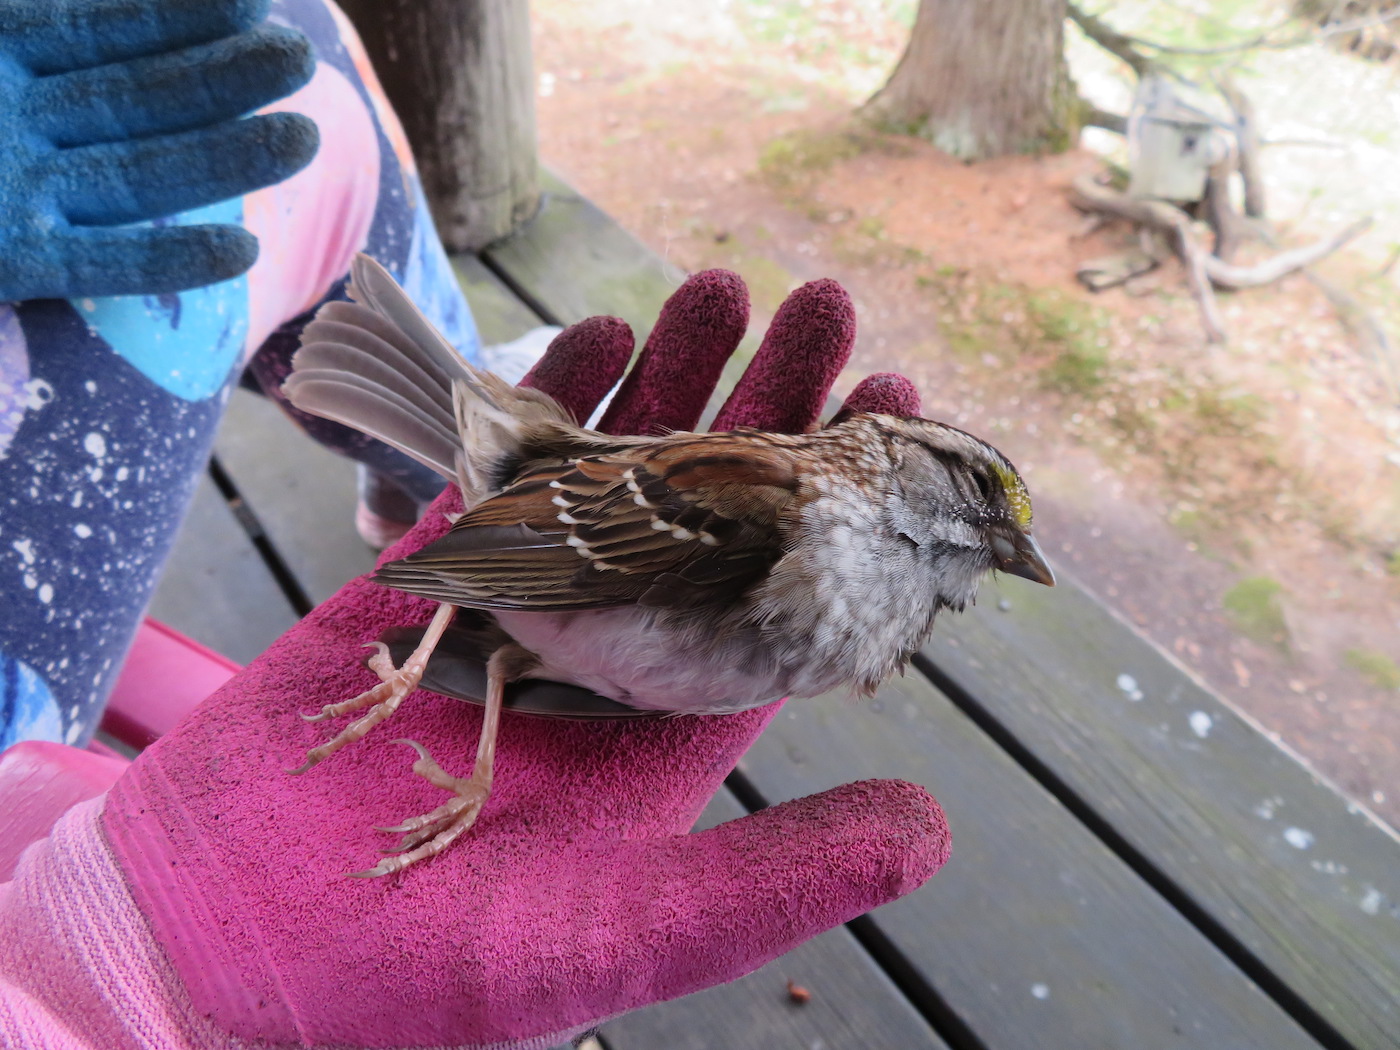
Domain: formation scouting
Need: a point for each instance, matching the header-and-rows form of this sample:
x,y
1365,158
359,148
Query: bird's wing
x,y
681,522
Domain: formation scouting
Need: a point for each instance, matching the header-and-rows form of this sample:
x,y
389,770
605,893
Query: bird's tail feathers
x,y
378,365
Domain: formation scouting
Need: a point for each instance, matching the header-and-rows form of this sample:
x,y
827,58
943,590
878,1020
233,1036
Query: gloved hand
x,y
207,894
119,111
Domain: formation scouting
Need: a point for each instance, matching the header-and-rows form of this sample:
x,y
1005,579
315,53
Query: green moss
x,y
872,226
1074,330
793,159
1392,564
1254,608
1077,370
1225,414
1377,668
1063,336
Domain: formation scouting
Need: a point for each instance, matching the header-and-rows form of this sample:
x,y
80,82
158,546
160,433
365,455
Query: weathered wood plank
x,y
572,261
1034,935
302,494
215,587
853,1004
500,316
1308,883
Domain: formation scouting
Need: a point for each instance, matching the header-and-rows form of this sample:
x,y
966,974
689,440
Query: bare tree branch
x,y
1282,264
1112,41
1123,45
1203,270
1093,116
1088,195
1247,142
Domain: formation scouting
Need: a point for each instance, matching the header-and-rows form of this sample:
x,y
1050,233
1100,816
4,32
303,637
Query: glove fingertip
x,y
808,865
290,141
696,333
882,839
807,345
295,60
582,363
146,261
886,392
214,252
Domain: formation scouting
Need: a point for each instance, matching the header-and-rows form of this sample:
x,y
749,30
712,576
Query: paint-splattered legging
x,y
108,406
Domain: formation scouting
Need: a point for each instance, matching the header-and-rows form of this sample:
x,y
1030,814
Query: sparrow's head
x,y
965,501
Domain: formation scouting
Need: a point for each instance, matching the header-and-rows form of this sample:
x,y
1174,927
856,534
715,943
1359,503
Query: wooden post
x,y
460,76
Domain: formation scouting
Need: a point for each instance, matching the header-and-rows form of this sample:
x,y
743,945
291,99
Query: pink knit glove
x,y
206,902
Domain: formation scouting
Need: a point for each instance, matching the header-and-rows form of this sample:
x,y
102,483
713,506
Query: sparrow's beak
x,y
1021,556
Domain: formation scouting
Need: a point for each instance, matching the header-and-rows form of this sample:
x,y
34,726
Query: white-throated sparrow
x,y
683,573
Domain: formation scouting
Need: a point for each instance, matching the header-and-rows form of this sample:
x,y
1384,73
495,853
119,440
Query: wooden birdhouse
x,y
1172,145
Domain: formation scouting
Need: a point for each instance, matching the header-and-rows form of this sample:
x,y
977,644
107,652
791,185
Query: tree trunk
x,y
459,74
984,78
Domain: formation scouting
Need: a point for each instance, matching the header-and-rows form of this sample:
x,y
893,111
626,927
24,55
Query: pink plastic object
x,y
165,676
39,781
578,895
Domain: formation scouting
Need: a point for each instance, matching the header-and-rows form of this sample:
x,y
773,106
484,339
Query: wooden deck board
x,y
1035,935
1305,882
572,261
302,494
853,1004
500,316
215,588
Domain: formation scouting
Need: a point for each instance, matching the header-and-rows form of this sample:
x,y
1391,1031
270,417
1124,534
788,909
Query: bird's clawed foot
x,y
383,700
431,833
395,683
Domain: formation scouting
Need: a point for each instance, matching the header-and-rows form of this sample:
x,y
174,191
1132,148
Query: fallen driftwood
x,y
1204,271
1087,195
1225,275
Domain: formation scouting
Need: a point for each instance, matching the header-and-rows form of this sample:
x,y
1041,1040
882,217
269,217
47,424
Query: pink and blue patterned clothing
x,y
108,407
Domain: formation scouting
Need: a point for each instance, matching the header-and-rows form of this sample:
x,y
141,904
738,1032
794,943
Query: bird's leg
x,y
433,832
384,699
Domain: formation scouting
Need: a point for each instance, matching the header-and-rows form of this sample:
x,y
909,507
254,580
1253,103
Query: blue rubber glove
x,y
113,112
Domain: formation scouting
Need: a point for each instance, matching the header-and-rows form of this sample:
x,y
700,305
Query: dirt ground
x,y
1240,504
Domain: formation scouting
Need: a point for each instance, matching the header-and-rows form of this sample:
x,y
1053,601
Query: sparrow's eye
x,y
984,486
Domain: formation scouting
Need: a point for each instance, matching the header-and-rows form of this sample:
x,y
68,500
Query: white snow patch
x,y
1040,991
1201,723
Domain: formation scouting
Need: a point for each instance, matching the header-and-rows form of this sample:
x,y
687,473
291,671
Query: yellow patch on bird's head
x,y
1016,495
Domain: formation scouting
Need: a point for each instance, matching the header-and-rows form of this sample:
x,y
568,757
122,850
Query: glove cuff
x,y
80,966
